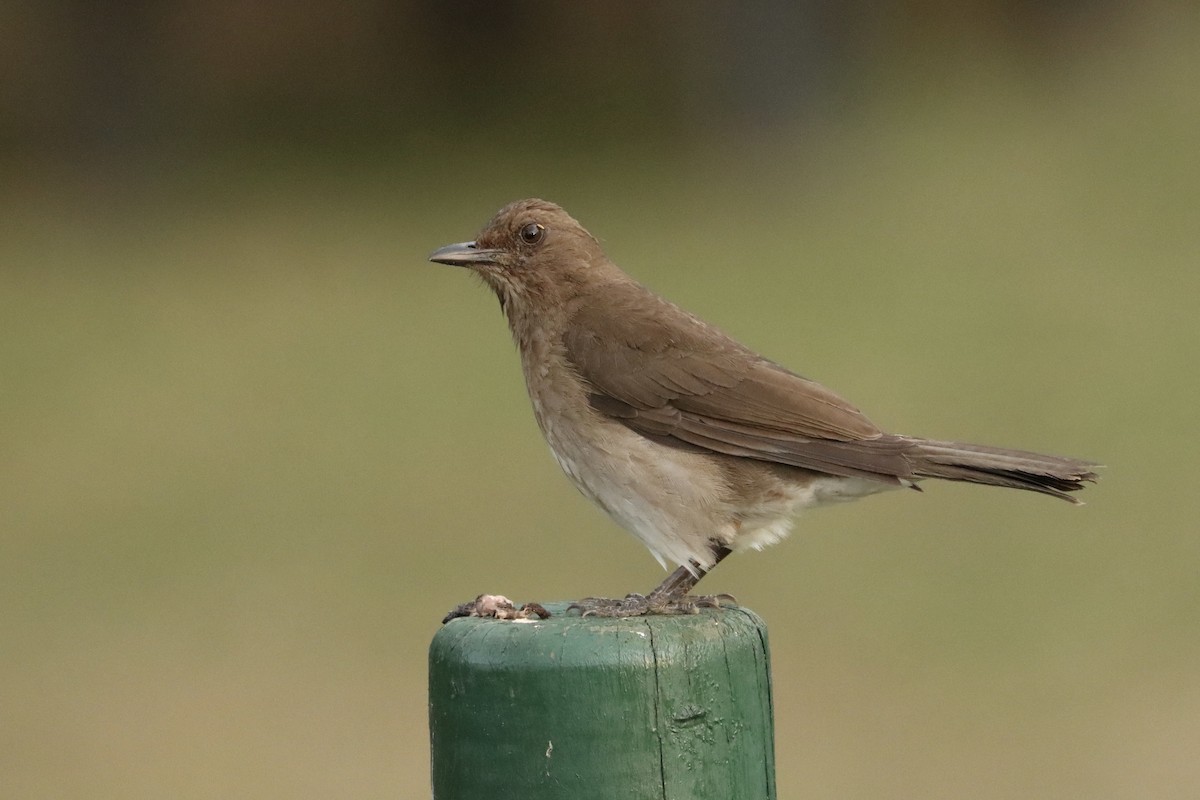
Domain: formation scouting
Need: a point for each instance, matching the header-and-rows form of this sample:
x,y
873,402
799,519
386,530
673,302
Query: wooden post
x,y
669,708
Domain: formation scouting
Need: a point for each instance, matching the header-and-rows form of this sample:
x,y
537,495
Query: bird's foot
x,y
498,606
640,605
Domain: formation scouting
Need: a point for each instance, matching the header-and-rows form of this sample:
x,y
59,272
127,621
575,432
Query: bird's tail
x,y
996,466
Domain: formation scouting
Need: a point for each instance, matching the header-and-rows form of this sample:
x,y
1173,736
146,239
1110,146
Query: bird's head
x,y
532,254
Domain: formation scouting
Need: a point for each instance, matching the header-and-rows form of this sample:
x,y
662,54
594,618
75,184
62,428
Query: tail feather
x,y
997,466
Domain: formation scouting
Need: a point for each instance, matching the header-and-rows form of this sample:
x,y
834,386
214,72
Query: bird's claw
x,y
639,605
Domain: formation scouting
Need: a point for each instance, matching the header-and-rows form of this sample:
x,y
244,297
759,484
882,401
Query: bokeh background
x,y
253,446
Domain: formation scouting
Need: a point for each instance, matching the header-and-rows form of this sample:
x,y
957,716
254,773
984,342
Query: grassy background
x,y
253,446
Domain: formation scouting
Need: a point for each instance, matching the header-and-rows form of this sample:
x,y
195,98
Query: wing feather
x,y
669,375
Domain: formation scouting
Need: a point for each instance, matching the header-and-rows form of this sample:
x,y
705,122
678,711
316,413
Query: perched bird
x,y
692,442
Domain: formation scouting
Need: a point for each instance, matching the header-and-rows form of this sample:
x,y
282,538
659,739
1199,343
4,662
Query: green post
x,y
669,708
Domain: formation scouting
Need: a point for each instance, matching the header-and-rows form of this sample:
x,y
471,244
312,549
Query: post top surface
x,y
570,639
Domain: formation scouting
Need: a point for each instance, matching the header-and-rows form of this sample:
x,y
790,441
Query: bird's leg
x,y
669,597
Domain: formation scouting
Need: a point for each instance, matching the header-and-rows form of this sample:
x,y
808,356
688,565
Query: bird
x,y
691,441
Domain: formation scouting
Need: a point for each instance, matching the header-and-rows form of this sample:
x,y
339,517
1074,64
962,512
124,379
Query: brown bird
x,y
691,441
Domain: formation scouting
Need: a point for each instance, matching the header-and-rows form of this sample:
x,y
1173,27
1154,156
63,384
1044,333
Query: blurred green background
x,y
253,446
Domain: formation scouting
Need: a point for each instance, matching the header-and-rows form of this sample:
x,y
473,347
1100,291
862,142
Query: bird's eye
x,y
532,233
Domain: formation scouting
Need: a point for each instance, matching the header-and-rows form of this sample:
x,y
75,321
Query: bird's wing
x,y
669,375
